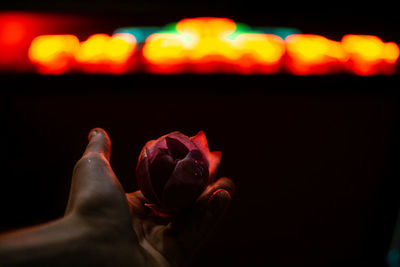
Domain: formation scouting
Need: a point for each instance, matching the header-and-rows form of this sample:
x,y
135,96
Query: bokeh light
x,y
53,54
201,45
369,55
313,54
102,53
259,53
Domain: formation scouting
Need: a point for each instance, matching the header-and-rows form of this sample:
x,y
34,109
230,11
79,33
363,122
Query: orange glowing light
x,y
103,53
313,54
53,54
369,54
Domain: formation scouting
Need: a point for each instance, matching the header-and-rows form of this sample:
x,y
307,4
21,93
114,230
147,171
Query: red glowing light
x,y
12,32
18,29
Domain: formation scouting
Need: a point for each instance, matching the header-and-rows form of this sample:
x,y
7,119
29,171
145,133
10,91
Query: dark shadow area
x,y
313,158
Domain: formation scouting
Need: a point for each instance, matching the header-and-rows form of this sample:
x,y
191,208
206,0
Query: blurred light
x,y
200,45
282,32
259,52
164,51
15,36
120,48
53,54
102,53
204,27
369,55
313,54
19,28
12,32
209,42
140,33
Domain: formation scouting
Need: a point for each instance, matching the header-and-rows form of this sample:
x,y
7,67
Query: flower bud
x,y
174,170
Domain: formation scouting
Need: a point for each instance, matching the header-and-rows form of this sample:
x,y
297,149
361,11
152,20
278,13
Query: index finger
x,y
99,142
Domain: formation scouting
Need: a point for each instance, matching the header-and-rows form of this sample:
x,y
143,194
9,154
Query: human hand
x,y
124,228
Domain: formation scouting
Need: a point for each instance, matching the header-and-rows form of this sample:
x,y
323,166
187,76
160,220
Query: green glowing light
x,y
282,32
393,258
140,33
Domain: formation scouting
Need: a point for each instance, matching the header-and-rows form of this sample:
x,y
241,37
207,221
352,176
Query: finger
x,y
137,201
99,142
195,230
94,182
139,207
222,183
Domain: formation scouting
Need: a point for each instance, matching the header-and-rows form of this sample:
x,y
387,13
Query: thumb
x,y
94,183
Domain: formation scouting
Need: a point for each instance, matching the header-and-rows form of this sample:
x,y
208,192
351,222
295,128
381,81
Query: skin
x,y
104,226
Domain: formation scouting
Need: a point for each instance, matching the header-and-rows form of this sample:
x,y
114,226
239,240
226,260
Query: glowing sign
x,y
209,45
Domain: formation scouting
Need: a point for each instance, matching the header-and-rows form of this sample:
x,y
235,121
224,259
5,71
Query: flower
x,y
174,170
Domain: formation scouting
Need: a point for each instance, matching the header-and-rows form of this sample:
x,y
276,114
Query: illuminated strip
x,y
100,53
209,45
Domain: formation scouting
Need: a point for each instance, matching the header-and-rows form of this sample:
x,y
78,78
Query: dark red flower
x,y
174,170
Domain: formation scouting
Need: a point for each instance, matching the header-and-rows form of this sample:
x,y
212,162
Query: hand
x,y
97,196
104,226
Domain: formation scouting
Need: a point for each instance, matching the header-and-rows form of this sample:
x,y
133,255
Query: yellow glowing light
x,y
206,27
369,54
162,48
391,52
53,53
314,54
307,47
213,47
208,38
106,54
363,47
93,49
263,48
120,47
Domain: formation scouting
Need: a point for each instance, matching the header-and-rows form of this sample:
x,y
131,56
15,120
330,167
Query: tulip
x,y
174,170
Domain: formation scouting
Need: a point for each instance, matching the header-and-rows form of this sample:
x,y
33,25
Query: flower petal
x,y
186,183
184,139
160,170
214,160
176,148
200,141
143,177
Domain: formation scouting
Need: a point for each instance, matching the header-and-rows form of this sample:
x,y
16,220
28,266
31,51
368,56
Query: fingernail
x,y
93,132
220,200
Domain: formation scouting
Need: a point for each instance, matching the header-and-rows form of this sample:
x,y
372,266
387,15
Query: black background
x,y
314,158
